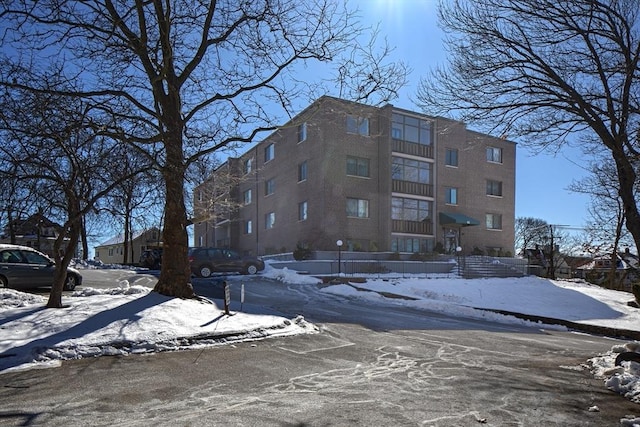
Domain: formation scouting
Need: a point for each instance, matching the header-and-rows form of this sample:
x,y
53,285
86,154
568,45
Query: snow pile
x,y
121,321
285,275
623,378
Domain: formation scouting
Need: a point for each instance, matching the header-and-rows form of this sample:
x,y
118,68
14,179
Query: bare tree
x,y
135,204
605,232
183,79
50,147
547,71
605,229
530,232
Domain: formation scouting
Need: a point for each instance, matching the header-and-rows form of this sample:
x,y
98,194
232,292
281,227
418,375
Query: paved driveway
x,y
371,365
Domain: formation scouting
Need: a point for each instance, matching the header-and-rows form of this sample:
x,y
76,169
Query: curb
x,y
592,329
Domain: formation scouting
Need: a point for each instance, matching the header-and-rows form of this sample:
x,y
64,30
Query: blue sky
x,y
410,26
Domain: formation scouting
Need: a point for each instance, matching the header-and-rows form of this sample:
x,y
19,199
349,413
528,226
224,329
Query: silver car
x,y
22,267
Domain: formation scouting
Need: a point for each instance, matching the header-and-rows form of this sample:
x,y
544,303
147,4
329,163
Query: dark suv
x,y
151,258
205,261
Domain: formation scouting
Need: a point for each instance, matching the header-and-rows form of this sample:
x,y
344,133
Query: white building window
x,y
357,208
270,220
494,155
494,221
358,125
302,132
269,152
302,211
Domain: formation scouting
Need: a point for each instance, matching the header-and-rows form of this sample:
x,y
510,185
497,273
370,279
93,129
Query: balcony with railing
x,y
413,227
412,148
408,187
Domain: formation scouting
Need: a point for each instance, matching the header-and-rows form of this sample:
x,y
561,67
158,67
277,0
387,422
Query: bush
x,y
302,253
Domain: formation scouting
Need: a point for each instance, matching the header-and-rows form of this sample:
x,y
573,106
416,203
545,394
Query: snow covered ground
x,y
130,319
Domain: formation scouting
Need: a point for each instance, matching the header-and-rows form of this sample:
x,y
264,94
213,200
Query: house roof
x,y
32,224
119,239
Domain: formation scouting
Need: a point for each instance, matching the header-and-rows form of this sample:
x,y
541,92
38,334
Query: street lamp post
x,y
339,243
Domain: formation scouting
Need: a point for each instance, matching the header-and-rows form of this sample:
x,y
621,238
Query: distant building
x,y
625,266
36,231
377,179
112,251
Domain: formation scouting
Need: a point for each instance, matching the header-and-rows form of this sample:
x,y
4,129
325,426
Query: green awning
x,y
457,219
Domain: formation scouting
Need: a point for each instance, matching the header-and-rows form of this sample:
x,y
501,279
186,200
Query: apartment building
x,y
375,179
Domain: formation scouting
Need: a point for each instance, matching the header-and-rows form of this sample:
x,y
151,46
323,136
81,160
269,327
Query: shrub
x,y
477,251
301,253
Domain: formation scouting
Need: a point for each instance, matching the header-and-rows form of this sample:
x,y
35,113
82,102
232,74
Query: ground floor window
x,y
412,244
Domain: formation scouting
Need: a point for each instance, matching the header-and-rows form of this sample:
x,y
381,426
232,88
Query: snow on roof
x,y
119,239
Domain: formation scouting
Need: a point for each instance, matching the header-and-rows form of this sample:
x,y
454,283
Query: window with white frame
x,y
358,166
302,211
358,125
494,155
494,188
494,221
302,171
248,227
302,132
269,220
247,166
451,196
269,186
357,208
269,152
247,196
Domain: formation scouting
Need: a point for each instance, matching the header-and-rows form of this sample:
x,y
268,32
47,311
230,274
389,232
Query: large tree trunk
x,y
627,180
175,272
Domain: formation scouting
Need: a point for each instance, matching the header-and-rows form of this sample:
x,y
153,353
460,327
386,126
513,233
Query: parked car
x,y
22,267
205,261
151,258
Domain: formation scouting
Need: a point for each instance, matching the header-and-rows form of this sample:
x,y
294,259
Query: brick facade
x,y
375,178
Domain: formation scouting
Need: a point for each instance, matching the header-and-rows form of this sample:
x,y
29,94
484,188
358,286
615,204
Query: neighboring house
x,y
376,179
112,251
598,270
539,263
37,231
